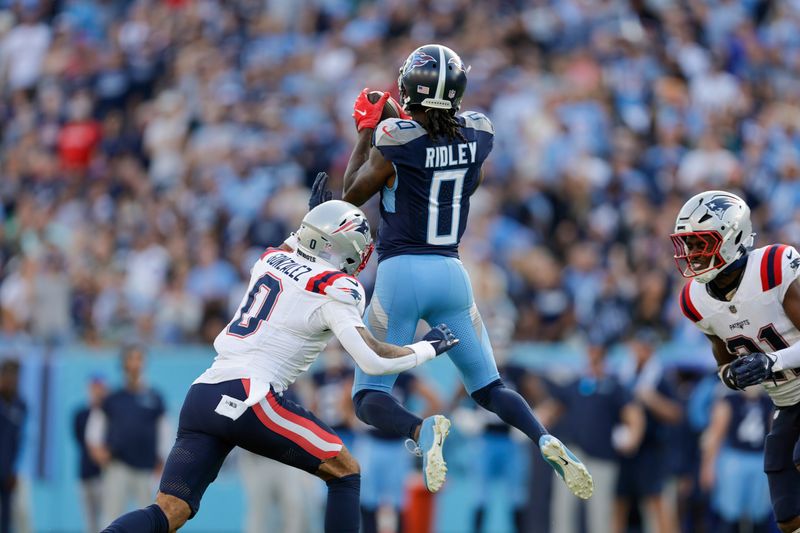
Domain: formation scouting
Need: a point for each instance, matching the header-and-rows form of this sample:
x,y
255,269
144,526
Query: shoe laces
x,y
413,448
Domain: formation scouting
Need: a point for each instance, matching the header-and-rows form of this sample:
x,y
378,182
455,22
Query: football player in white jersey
x,y
299,296
747,302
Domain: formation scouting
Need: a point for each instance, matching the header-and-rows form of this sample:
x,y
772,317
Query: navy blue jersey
x,y
132,435
594,407
88,468
750,420
425,211
12,420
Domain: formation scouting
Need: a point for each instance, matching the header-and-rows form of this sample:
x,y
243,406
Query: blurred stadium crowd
x,y
151,148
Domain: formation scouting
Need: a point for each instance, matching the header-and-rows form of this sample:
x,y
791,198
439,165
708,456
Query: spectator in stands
x,y
643,475
127,436
733,461
88,469
604,423
12,420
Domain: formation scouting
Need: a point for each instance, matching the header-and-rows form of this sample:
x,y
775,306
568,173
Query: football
x,y
390,109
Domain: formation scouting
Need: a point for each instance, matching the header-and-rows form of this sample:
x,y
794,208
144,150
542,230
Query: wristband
x,y
423,350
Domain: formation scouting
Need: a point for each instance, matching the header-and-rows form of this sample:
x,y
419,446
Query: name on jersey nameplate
x,y
230,407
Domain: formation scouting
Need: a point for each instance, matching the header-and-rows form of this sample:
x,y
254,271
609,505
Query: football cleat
x,y
566,465
432,434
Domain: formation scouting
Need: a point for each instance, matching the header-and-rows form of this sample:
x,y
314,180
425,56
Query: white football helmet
x,y
713,230
336,232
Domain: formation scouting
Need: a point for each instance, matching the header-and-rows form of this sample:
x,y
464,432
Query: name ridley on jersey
x,y
754,320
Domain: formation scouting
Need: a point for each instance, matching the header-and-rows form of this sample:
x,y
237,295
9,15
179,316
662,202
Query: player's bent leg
x,y
176,510
380,409
344,464
151,519
790,526
342,474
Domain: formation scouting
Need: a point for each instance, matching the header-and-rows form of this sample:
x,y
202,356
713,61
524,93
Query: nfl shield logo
x,y
732,309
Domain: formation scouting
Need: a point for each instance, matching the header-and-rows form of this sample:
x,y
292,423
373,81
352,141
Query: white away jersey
x,y
291,310
754,320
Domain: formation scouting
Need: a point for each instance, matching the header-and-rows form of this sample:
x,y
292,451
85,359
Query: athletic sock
x,y
148,520
381,410
511,408
342,512
369,520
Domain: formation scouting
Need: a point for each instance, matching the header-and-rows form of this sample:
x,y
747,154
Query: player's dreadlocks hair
x,y
442,123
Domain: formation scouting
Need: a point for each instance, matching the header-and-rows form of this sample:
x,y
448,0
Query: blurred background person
x,y
127,435
733,461
643,475
12,421
88,470
604,423
385,462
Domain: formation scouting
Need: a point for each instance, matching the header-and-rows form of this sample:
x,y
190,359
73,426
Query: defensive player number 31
x,y
435,230
741,345
258,306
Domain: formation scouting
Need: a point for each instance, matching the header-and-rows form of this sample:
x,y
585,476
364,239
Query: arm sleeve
x,y
372,363
96,428
339,316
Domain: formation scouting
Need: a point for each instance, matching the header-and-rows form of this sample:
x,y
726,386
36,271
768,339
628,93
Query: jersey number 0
x,y
435,232
258,306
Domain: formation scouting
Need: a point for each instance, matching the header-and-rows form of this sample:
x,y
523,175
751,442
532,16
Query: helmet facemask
x,y
697,254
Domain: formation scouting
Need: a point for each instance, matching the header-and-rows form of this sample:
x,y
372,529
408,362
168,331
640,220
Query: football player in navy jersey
x,y
426,165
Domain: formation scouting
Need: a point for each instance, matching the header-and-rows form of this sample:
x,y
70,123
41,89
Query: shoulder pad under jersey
x,y
478,121
396,132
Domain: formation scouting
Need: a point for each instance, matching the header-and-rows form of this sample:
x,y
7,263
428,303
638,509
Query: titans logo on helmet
x,y
419,59
719,205
457,64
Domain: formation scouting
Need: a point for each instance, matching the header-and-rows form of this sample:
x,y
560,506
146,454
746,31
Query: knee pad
x,y
483,396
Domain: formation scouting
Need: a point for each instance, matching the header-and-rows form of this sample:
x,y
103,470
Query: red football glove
x,y
401,111
366,113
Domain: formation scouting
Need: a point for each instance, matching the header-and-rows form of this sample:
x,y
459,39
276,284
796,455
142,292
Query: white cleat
x,y
432,434
566,465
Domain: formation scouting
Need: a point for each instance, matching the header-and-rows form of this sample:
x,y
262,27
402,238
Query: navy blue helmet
x,y
432,76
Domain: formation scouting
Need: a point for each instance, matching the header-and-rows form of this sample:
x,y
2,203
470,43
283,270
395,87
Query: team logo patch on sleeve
x,y
352,292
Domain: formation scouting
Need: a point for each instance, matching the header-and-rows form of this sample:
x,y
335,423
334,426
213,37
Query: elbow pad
x,y
726,375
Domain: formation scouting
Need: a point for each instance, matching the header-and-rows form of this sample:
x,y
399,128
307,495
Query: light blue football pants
x,y
436,289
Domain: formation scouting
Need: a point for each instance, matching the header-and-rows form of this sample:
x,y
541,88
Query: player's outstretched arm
x,y
378,358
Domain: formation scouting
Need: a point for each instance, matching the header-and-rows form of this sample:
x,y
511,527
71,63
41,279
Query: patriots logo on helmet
x,y
362,228
419,59
360,225
720,204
